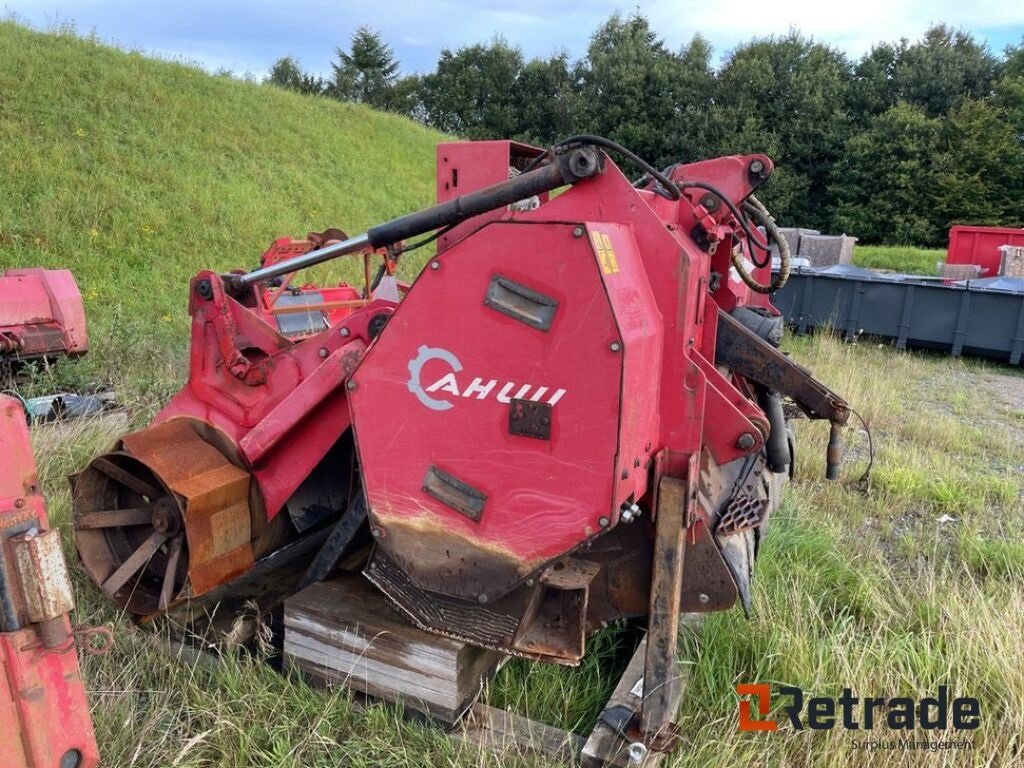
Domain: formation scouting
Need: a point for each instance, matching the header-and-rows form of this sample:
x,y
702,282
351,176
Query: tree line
x,y
894,147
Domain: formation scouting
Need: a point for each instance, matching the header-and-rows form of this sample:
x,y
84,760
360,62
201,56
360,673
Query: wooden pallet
x,y
342,631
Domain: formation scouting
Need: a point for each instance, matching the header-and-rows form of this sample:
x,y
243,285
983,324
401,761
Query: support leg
x,y
661,666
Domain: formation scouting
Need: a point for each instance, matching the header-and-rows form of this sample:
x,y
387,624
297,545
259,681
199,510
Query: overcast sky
x,y
250,36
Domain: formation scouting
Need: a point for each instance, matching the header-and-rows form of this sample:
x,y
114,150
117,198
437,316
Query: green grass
x,y
137,173
876,589
899,258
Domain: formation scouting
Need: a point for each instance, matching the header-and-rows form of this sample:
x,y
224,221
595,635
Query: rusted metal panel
x,y
529,419
43,575
133,506
676,496
707,584
749,355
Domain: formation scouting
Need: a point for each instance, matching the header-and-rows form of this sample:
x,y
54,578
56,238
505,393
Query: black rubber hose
x,y
777,445
728,204
757,209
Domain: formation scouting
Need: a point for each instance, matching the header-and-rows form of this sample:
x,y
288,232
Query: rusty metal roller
x,y
164,517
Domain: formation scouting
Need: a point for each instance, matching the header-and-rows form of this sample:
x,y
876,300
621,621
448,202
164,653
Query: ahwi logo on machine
x,y
852,714
479,388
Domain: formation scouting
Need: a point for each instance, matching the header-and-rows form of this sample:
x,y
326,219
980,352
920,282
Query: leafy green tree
x,y
696,132
545,93
366,72
472,93
406,97
873,88
1008,93
941,70
786,96
631,88
982,167
886,185
894,148
1013,64
286,73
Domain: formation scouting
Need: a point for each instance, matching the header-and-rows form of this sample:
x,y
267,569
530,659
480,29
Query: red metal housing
x,y
506,424
258,428
573,416
44,714
544,372
41,314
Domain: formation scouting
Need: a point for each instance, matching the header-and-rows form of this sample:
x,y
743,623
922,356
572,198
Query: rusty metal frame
x,y
747,354
675,499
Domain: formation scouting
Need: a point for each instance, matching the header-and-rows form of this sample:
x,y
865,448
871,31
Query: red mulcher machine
x,y
573,415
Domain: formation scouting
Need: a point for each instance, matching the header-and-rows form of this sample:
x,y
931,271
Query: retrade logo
x,y
432,394
849,712
763,694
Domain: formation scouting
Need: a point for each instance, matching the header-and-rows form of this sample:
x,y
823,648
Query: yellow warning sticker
x,y
605,252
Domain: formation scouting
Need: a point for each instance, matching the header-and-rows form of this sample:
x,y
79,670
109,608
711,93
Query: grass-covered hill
x,y
136,173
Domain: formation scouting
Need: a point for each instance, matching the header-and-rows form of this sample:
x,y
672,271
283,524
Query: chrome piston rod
x,y
567,168
319,256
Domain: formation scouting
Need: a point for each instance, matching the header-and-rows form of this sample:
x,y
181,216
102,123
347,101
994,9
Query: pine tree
x,y
366,72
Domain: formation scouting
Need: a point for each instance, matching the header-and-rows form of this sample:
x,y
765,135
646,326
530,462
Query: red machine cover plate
x,y
431,404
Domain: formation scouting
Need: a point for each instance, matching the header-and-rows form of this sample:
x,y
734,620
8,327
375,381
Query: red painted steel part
x,y
44,714
41,314
262,410
512,415
980,245
590,311
453,382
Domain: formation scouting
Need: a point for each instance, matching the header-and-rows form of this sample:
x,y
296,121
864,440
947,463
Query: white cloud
x,y
250,34
852,27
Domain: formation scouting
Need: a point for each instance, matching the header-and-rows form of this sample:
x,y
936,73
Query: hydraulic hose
x,y
756,208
